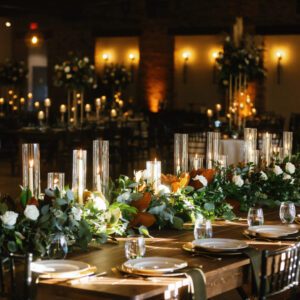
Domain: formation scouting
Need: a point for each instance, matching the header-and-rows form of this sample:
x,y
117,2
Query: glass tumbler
x,y
287,212
135,247
202,228
255,216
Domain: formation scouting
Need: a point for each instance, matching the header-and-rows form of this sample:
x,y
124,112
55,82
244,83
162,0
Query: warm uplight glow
x,y
34,40
7,24
209,113
215,55
186,55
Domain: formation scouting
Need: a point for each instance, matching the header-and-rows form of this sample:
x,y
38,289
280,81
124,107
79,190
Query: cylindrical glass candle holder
x,y
181,153
31,168
154,173
287,143
101,166
79,174
56,181
250,140
196,162
222,161
212,148
267,147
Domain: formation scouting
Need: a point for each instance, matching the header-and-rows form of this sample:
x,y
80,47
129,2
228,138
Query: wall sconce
x,y
279,67
132,59
185,56
105,57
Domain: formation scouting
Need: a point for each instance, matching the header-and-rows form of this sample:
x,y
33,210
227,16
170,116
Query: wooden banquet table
x,y
223,275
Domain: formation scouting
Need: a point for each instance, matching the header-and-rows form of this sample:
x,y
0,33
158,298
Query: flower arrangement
x,y
251,185
75,73
29,226
178,200
116,77
13,72
245,58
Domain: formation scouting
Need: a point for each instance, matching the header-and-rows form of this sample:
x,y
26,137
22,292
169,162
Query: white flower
x,y
287,176
86,59
138,175
99,203
202,179
67,69
146,175
31,212
277,170
9,218
290,168
77,213
238,180
163,189
263,176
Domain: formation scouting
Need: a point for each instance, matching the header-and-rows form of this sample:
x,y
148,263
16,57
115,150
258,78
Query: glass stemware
x,y
135,247
202,228
287,212
255,216
58,246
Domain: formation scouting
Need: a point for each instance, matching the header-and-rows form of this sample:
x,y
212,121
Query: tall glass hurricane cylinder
x,y
101,166
181,160
31,168
79,174
212,148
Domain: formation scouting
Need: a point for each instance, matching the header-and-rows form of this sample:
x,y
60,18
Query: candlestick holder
x,y
180,153
31,168
250,140
212,148
56,181
101,166
154,171
287,143
79,174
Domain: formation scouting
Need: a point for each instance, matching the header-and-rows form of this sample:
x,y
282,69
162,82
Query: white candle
x,y
154,171
113,113
41,115
47,102
196,162
30,175
80,177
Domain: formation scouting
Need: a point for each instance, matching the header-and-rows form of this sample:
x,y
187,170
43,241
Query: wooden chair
x,y
280,272
15,284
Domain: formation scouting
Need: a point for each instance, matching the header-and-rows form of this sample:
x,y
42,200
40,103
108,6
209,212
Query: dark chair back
x,y
279,271
15,270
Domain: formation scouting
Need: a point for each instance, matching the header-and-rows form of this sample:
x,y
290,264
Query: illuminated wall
x,y
123,50
198,92
283,98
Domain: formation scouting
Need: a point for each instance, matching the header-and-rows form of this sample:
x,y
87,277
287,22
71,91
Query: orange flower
x,y
143,203
181,182
143,218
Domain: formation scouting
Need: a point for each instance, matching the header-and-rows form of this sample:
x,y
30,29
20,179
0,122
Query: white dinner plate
x,y
59,267
220,245
154,264
272,231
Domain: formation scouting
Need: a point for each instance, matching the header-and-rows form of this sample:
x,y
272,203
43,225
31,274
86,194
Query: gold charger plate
x,y
189,247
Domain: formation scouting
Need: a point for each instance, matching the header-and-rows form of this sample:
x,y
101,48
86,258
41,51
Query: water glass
x,y
58,246
202,228
255,216
135,247
287,212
